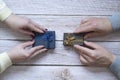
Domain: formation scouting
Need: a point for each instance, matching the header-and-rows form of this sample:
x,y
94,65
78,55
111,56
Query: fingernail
x,y
32,36
75,45
46,49
33,41
85,42
41,46
86,37
42,31
46,29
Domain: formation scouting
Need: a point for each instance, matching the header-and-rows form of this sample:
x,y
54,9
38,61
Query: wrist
x,y
112,59
7,21
108,25
10,56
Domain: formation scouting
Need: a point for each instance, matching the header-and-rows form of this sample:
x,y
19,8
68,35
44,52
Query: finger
x,y
83,50
27,32
26,44
83,60
84,20
38,52
91,45
35,49
39,26
90,35
89,59
84,28
34,28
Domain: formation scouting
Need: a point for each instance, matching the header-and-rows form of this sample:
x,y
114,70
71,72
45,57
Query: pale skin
x,y
96,27
94,54
20,53
25,26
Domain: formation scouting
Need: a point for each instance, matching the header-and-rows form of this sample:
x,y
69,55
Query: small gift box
x,y
46,39
71,39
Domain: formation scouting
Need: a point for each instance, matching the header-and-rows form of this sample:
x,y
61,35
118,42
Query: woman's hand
x,y
23,25
21,53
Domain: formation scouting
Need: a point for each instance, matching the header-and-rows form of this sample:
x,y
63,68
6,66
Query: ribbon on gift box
x,y
71,40
48,36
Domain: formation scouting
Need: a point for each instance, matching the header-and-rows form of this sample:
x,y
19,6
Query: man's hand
x,y
94,55
23,25
96,27
21,53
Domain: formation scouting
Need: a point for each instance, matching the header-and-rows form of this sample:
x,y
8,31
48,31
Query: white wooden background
x,y
62,16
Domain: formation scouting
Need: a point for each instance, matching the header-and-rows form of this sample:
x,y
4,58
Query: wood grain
x,y
64,7
61,55
62,16
56,73
60,24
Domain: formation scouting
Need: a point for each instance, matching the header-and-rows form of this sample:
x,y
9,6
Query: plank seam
x,y
63,15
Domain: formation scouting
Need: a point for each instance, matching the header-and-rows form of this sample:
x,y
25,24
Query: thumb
x,y
91,44
83,50
86,51
26,44
84,29
91,34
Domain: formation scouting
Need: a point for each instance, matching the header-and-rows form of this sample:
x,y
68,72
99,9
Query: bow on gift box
x,y
70,39
48,36
46,39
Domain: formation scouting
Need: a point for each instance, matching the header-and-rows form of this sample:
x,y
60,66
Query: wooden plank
x,y
60,24
56,73
62,63
64,7
61,55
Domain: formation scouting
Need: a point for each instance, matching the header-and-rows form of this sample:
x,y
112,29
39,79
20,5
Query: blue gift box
x,y
46,39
